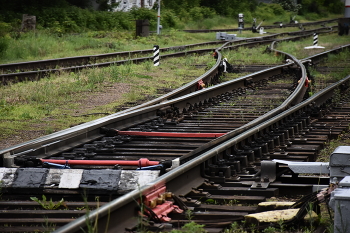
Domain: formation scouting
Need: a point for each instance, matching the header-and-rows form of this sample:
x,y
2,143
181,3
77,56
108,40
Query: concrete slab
x,y
70,178
29,177
7,175
131,180
100,179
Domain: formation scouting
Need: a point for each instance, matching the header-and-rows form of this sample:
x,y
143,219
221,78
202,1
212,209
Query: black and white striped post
x,y
156,55
315,39
315,43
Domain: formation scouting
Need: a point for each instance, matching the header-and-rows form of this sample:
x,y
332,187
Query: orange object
x,y
166,134
139,163
200,84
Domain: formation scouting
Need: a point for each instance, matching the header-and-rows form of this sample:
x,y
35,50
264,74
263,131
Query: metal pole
x,y
158,20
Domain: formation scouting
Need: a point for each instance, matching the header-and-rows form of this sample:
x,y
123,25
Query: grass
x,y
41,45
343,139
251,56
51,104
329,41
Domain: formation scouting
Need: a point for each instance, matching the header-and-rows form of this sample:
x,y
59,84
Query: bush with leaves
x,y
322,7
5,29
288,5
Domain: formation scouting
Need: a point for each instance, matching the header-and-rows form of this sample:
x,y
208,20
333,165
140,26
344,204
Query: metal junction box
x,y
225,36
340,162
340,203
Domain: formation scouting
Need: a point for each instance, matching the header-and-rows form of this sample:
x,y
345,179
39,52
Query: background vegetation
x,y
59,21
78,15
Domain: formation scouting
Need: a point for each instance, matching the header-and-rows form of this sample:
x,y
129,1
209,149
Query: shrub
x,y
336,7
169,19
288,5
264,12
277,9
5,28
4,43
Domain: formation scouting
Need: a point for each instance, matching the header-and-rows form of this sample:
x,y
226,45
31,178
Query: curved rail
x,y
83,62
182,102
127,204
266,27
176,180
90,130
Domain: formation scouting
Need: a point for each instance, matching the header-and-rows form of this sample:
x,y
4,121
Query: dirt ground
x,y
110,94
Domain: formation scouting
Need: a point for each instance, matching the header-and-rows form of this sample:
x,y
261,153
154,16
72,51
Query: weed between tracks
x,y
48,205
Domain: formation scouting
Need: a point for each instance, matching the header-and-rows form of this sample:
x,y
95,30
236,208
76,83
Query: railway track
x,y
228,165
35,70
299,25
217,181
89,60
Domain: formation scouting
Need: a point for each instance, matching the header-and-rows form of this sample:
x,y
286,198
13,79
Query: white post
x,y
158,20
347,9
225,65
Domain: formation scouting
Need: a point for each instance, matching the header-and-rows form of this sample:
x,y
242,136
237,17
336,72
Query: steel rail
x,y
176,177
191,86
306,61
35,75
90,130
266,27
38,74
108,209
117,120
88,59
58,137
180,91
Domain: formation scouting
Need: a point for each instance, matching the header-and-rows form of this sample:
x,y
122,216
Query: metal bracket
x,y
268,175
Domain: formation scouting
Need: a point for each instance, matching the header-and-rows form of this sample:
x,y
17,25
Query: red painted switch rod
x,y
166,134
139,163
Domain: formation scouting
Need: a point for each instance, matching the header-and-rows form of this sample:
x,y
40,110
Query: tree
x,y
288,5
